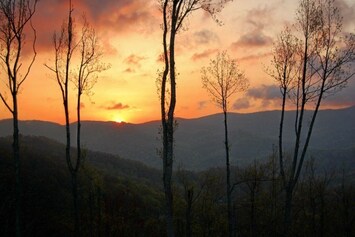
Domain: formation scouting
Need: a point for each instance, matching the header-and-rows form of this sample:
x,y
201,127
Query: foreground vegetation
x,y
125,198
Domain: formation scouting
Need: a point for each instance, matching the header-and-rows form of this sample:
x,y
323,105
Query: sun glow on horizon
x,y
118,118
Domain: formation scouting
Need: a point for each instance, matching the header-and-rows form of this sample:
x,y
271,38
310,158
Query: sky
x,y
131,39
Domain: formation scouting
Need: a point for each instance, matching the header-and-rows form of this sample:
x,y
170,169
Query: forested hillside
x,y
119,197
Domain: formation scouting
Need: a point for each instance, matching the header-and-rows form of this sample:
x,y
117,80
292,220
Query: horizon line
x,y
178,117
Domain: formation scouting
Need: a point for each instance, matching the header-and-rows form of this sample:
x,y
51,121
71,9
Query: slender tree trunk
x,y
274,195
167,173
76,169
168,118
71,170
231,230
293,177
75,203
288,211
281,158
17,163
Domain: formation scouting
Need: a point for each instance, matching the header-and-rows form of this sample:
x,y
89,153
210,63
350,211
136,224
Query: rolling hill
x,y
199,142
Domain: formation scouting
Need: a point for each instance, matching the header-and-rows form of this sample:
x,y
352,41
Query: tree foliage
x,y
222,79
310,63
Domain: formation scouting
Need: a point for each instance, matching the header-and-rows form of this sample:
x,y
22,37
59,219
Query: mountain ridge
x,y
199,141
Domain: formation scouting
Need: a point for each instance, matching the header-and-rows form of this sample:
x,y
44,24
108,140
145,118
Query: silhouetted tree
x,y
84,80
15,23
175,12
64,46
314,189
192,191
325,59
86,75
87,50
222,79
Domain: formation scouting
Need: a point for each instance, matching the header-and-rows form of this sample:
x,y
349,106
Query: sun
x,y
118,119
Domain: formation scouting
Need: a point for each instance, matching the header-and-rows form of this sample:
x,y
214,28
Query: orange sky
x,y
130,35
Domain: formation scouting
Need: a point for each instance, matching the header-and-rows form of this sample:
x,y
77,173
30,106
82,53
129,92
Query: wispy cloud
x,y
347,10
257,19
253,39
205,54
242,103
116,106
205,37
133,60
268,95
264,92
343,98
202,104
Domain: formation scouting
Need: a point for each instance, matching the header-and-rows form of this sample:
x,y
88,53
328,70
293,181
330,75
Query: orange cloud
x,y
134,60
205,54
253,39
205,37
117,106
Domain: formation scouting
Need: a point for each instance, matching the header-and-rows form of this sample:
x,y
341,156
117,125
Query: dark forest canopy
x,y
128,196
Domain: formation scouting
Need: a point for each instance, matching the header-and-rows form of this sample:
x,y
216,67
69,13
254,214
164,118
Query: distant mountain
x,y
199,142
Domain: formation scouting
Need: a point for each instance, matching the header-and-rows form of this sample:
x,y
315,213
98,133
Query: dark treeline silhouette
x,y
124,198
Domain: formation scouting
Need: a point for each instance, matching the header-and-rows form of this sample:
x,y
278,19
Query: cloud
x,y
205,37
134,60
205,54
347,11
268,95
124,16
242,103
129,70
265,92
343,98
116,106
256,20
202,104
253,39
254,57
260,16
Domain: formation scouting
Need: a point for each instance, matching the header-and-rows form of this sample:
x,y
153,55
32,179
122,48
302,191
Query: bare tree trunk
x,y
75,170
16,154
168,116
274,194
288,211
281,157
75,204
231,229
167,173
